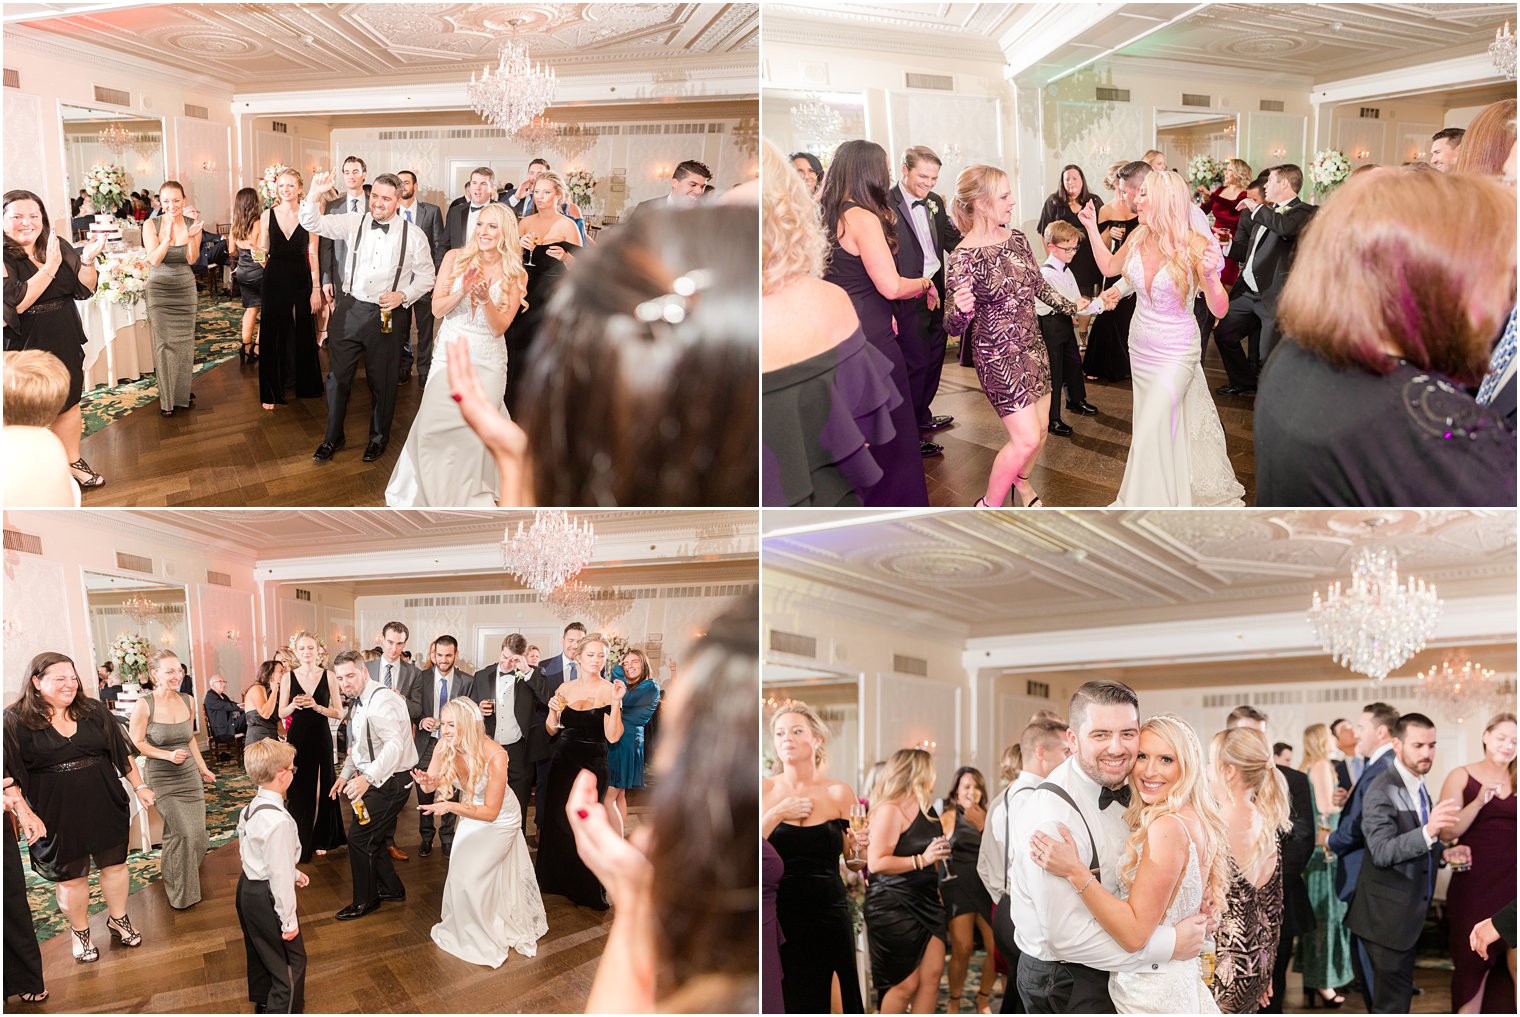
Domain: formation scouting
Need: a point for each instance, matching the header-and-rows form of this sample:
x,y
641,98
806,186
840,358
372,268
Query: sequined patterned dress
x,y
1246,943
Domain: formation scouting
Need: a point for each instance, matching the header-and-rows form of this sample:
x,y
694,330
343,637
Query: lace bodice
x,y
487,348
1189,896
1163,325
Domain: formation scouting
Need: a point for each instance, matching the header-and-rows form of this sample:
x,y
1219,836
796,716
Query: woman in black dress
x,y
968,906
242,241
309,697
581,735
23,958
41,314
806,818
904,917
291,297
68,755
1107,356
1064,204
862,230
548,239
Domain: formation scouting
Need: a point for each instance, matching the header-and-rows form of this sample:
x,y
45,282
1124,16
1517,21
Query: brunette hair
x,y
349,657
1365,276
1451,134
1489,139
1501,718
955,786
171,185
813,161
246,209
36,387
354,158
33,711
265,677
1100,692
858,173
1058,197
12,248
574,626
516,643
395,626
792,239
1244,712
1409,720
1383,716
692,167
1047,734
643,664
389,180
1130,170
1291,175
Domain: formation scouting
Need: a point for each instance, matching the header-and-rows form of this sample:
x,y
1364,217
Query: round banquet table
x,y
120,346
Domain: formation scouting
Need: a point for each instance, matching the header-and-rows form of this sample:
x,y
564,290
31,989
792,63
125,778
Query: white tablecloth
x,y
120,344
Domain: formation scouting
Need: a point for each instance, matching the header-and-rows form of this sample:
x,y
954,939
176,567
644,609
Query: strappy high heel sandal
x,y
984,1002
85,952
92,479
955,1004
33,997
1034,502
246,355
121,930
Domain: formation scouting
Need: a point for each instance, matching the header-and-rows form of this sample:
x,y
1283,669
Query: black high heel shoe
x,y
246,355
92,479
1314,1000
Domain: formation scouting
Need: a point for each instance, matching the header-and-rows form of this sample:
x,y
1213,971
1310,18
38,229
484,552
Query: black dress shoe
x,y
426,848
404,379
937,423
1084,407
325,450
398,897
929,449
353,911
448,849
1235,390
166,413
374,450
1060,429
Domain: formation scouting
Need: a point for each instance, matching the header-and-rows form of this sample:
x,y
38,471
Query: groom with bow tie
x,y
386,264
479,192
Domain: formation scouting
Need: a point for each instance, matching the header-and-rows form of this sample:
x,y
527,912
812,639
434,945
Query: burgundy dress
x,y
1226,217
1476,894
771,870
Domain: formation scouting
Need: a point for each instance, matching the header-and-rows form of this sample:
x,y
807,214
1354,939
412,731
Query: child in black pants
x,y
1061,243
266,893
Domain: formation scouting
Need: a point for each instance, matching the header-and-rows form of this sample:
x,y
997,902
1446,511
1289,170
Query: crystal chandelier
x,y
571,601
1502,50
1375,625
139,609
608,605
1458,684
816,119
517,93
545,555
574,141
538,135
116,138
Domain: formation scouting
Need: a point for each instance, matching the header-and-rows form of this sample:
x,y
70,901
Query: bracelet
x,y
1085,885
917,863
138,787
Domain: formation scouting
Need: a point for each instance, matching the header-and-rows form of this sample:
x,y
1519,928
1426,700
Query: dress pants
x,y
426,823
1248,316
1053,987
276,966
923,341
1003,939
520,775
1392,974
368,861
1065,361
354,334
420,354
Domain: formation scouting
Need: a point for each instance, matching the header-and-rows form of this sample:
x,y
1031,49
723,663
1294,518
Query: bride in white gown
x,y
491,902
1175,860
479,291
1177,451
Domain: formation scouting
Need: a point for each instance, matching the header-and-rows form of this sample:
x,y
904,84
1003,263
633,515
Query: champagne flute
x,y
858,817
947,824
532,239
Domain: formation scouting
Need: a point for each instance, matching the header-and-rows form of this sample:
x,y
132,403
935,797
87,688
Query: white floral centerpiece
x,y
131,656
617,648
267,193
123,277
106,187
582,186
1205,171
1329,167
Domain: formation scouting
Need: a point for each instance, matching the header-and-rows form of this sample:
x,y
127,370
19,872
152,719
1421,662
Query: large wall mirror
x,y
1182,134
819,122
128,615
836,697
135,143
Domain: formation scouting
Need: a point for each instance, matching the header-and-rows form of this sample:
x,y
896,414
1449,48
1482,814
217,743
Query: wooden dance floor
x,y
1084,469
229,451
192,961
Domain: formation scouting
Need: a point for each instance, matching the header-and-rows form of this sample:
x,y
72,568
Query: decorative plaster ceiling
x,y
1025,572
254,46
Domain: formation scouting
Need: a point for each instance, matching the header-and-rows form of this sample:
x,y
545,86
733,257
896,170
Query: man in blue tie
x,y
439,684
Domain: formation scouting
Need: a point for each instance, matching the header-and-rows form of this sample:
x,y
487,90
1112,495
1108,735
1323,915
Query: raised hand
x,y
1211,260
92,251
1443,814
54,253
321,183
1088,216
195,231
619,690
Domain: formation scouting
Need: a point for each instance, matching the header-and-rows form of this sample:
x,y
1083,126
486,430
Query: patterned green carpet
x,y
218,337
224,799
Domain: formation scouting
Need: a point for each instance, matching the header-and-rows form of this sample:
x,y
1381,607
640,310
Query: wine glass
x,y
947,824
858,817
532,239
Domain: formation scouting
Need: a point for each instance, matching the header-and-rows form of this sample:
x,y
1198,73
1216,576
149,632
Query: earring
x,y
1228,793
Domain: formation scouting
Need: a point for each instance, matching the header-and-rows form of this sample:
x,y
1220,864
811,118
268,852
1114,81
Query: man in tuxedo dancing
x,y
509,692
481,192
1397,878
439,684
924,233
555,671
1264,243
394,671
427,216
386,264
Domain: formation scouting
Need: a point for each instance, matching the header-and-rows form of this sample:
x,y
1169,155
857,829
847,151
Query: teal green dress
x,y
1324,953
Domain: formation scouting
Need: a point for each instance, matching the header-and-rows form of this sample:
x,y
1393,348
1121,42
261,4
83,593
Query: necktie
x,y
570,669
1424,806
353,204
443,697
383,227
1499,363
388,667
408,213
1109,795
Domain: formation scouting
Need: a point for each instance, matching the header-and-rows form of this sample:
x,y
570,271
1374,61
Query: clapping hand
x,y
1088,216
195,230
54,253
92,251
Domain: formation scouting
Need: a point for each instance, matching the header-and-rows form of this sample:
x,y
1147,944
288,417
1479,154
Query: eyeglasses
x,y
291,769
1063,247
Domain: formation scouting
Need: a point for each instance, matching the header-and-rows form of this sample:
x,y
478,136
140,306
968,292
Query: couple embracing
x,y
1116,863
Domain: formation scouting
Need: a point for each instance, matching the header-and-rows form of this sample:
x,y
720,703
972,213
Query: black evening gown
x,y
23,958
903,910
544,277
319,821
817,936
52,323
902,483
1107,356
287,333
580,745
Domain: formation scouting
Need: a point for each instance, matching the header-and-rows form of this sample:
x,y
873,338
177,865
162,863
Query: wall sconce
x,y
232,634
1102,152
927,746
1362,153
209,166
1278,152
167,639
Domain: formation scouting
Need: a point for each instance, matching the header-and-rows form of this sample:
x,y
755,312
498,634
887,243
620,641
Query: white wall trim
x,y
1456,72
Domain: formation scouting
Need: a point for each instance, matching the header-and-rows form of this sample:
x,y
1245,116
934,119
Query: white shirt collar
x,y
1056,263
1027,779
270,796
1379,751
1412,782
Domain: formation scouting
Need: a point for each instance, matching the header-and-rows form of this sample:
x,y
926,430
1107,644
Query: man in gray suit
x,y
355,199
427,216
687,185
395,672
1397,878
439,685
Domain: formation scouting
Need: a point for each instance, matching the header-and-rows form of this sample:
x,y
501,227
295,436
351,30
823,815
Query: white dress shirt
x,y
1058,274
379,717
1257,235
919,217
435,676
1412,784
270,847
992,859
1050,921
508,732
372,257
389,672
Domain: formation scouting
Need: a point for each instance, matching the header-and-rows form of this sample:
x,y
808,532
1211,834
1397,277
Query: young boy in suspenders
x,y
266,892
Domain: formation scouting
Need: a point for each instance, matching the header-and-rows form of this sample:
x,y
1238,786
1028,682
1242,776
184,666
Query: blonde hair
x,y
514,278
266,757
463,766
1148,156
820,729
1191,789
285,655
974,184
792,239
1170,228
1111,175
908,773
1240,170
1246,749
1059,231
1317,745
291,171
1011,763
159,656
36,387
557,182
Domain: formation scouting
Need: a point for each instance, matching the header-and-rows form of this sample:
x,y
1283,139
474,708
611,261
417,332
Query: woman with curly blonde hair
x,y
829,400
1169,871
1177,450
479,292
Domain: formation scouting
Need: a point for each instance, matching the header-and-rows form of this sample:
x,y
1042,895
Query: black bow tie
x,y
1109,795
920,203
476,208
383,227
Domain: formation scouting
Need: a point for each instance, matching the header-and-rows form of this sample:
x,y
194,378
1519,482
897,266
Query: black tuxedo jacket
x,y
1394,884
1346,840
526,695
461,683
329,250
429,219
913,313
1274,254
459,219
1297,849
